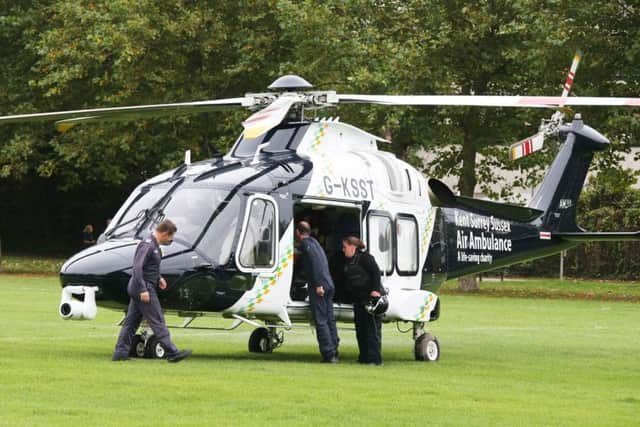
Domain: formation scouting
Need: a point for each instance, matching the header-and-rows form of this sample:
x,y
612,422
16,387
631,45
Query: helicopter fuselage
x,y
234,251
223,259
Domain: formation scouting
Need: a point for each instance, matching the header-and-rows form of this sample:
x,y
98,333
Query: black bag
x,y
357,278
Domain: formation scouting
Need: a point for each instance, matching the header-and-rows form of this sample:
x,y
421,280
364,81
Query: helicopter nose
x,y
101,267
100,259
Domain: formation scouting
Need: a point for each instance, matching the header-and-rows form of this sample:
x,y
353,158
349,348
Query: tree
x,y
76,54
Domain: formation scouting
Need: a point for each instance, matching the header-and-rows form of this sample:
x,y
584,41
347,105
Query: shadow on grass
x,y
89,355
288,357
257,357
280,357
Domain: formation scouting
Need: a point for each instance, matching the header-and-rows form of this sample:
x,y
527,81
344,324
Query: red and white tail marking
x,y
536,142
527,146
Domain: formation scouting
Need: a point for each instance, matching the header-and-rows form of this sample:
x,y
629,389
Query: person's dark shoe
x,y
330,359
117,358
375,363
180,355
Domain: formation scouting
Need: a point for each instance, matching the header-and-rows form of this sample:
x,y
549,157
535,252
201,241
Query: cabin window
x,y
407,241
258,248
380,240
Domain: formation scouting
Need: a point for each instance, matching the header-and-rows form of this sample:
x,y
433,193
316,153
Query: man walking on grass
x,y
144,302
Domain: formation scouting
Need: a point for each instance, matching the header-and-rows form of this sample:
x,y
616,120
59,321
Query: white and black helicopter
x,y
234,251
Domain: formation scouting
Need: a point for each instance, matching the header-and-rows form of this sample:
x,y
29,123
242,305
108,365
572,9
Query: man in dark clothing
x,y
144,302
321,290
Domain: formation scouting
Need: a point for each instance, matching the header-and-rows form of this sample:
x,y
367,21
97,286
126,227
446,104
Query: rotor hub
x,y
290,82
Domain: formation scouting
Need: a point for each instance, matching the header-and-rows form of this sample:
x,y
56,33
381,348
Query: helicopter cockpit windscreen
x,y
136,210
205,216
189,207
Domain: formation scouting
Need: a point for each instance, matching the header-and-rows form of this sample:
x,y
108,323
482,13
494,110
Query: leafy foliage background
x,y
64,54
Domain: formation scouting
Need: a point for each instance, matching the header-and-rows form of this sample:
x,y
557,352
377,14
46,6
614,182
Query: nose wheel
x,y
427,347
137,346
265,340
148,346
154,349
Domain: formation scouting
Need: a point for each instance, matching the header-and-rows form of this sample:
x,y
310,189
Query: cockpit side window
x,y
217,242
259,235
190,207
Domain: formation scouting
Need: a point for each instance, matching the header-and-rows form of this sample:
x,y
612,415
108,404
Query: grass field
x,y
553,288
505,361
16,264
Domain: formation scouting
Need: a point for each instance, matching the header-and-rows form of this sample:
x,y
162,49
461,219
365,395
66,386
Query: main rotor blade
x,y
125,113
266,119
489,101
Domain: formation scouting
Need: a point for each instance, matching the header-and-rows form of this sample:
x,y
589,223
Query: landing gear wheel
x,y
137,346
427,348
260,341
154,349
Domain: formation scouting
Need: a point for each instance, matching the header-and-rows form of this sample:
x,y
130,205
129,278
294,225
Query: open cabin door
x,y
330,222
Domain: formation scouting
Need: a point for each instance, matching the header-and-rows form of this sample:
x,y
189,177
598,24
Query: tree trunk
x,y
467,185
467,181
467,178
468,284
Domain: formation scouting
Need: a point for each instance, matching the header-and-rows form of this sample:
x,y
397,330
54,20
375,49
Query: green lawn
x,y
28,264
505,361
554,288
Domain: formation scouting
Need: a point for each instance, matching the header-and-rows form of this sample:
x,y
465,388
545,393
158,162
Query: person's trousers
x,y
322,312
152,313
368,334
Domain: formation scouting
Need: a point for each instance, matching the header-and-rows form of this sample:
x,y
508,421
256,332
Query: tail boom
x,y
473,236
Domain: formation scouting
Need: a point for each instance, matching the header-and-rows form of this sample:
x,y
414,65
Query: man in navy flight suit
x,y
321,290
144,301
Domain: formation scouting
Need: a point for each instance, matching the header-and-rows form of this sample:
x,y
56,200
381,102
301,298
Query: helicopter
x,y
234,253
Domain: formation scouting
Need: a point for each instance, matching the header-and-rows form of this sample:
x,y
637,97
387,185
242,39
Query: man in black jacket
x,y
321,290
144,302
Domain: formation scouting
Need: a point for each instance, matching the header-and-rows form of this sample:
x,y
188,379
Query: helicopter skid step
x,y
299,312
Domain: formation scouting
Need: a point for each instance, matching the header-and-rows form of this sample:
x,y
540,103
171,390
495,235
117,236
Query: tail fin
x,y
561,187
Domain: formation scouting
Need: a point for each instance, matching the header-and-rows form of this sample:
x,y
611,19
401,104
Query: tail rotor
x,y
548,127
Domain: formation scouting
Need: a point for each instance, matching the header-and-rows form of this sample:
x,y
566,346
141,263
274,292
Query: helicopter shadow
x,y
348,358
258,357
